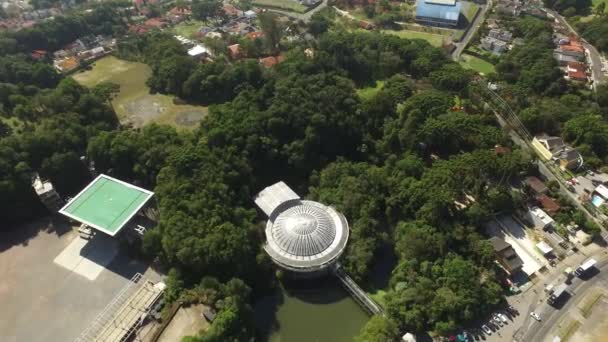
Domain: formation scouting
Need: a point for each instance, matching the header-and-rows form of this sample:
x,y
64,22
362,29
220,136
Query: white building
x,y
250,14
539,218
199,51
304,237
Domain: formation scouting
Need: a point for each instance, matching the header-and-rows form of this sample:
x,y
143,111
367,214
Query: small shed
x,y
250,14
544,248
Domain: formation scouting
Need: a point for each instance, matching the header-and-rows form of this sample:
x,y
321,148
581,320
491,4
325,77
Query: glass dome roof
x,y
304,230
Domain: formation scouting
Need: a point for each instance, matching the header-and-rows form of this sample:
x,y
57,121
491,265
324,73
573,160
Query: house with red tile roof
x,y
271,61
235,51
254,35
232,11
157,23
576,71
38,54
549,205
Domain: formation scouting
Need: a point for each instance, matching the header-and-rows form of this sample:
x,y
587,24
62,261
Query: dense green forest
x,y
412,167
46,121
534,87
595,31
304,123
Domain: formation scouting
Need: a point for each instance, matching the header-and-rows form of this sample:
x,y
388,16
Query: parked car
x,y
502,318
535,315
512,310
486,329
497,321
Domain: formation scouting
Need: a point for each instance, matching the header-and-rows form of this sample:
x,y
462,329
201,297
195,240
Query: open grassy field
x,y
477,64
369,92
188,28
469,9
134,104
433,38
288,5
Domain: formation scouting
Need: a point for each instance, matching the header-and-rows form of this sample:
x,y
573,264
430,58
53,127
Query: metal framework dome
x,y
303,230
305,236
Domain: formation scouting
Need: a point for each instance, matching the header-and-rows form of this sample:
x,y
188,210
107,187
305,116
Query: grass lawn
x,y
188,28
369,92
469,9
288,5
433,38
477,64
134,103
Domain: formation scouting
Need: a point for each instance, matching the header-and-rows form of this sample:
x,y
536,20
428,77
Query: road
x,y
543,169
594,56
539,331
305,17
471,31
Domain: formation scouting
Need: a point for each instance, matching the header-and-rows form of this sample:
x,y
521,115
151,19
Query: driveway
x,y
515,234
43,301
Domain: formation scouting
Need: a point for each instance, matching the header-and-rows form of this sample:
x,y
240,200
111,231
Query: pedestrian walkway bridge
x,y
358,294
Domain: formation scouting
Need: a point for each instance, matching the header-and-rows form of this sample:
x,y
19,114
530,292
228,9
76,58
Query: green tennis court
x,y
107,204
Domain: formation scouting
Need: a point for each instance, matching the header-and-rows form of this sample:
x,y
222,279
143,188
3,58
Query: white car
x,y
497,321
502,318
486,329
535,315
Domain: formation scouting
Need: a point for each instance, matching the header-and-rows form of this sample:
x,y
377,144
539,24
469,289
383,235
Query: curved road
x,y
538,331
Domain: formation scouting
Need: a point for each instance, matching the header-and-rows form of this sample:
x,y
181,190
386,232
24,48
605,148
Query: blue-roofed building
x,y
438,12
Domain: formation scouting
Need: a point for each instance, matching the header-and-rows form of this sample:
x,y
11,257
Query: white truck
x,y
557,292
584,267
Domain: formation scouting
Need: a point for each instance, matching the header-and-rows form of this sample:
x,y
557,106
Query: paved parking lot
x,y
43,301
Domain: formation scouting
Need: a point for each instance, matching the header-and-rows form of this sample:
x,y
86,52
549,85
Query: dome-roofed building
x,y
302,236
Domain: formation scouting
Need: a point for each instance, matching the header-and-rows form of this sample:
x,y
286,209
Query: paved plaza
x,y
50,293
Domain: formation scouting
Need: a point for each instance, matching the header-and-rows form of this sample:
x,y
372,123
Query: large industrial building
x,y
445,13
303,237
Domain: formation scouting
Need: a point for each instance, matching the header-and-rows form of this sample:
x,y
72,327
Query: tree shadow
x,y
266,309
380,276
21,234
323,290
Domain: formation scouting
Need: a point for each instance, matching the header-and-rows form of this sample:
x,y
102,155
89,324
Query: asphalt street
x,y
533,330
471,32
596,62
